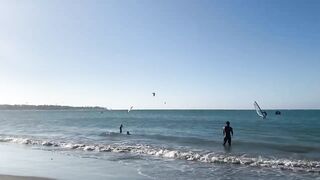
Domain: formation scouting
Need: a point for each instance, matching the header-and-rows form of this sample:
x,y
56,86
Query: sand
x,y
9,177
33,162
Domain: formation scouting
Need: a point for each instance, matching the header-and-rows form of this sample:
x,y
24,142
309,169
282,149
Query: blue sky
x,y
193,54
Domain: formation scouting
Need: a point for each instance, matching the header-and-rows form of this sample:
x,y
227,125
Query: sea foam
x,y
212,157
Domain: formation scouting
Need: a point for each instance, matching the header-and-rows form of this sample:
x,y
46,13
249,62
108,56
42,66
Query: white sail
x,y
130,108
258,109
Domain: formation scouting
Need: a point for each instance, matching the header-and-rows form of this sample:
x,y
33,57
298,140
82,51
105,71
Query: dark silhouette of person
x,y
128,133
121,128
264,114
227,132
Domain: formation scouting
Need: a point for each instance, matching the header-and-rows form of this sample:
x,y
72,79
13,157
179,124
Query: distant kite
x,y
154,94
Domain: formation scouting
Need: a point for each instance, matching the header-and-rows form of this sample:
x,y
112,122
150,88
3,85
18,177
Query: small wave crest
x,y
212,157
110,134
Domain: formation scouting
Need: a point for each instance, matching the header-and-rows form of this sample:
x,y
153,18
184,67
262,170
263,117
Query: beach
x,y
163,144
10,177
20,162
160,90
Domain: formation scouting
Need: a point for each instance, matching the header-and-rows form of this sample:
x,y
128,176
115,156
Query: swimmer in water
x,y
227,132
121,126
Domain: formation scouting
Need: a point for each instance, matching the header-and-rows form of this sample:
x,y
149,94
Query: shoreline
x,y
23,162
14,177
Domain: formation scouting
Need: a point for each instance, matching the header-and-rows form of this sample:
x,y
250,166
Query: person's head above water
x,y
228,123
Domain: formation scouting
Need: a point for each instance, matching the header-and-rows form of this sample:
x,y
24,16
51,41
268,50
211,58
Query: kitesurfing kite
x,y
153,94
261,113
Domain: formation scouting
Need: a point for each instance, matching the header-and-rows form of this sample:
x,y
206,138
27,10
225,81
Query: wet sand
x,y
10,177
24,162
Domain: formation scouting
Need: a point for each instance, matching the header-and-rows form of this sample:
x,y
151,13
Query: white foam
x,y
303,165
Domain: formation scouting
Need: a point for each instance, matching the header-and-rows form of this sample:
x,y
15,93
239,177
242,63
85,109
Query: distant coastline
x,y
99,108
50,107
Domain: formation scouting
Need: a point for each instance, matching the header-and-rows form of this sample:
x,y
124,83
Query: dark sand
x,y
9,177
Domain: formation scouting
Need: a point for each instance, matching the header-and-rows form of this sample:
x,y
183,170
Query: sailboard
x,y
261,113
130,108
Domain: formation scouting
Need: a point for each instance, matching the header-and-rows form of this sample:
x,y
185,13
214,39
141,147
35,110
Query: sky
x,y
195,54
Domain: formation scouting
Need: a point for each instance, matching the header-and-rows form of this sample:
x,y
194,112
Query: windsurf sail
x,y
130,108
259,111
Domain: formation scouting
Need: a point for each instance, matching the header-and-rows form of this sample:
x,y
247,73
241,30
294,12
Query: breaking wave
x,y
211,157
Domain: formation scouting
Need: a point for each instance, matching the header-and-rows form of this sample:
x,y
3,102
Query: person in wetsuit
x,y
227,132
264,114
121,128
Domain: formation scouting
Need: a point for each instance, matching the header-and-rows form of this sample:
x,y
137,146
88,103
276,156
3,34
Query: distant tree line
x,y
49,107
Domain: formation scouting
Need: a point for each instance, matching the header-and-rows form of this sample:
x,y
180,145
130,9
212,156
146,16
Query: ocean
x,y
174,144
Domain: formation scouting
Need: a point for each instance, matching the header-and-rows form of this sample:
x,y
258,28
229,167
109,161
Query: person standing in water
x,y
121,128
227,132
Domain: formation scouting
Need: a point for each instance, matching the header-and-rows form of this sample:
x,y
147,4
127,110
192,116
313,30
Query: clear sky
x,y
193,54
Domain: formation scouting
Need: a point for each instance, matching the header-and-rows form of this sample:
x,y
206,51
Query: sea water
x,y
177,144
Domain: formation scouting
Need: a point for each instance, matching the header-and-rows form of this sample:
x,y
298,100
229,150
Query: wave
x,y
201,141
111,134
211,157
166,138
281,147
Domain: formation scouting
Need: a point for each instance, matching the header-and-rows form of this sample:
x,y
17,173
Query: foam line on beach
x,y
212,157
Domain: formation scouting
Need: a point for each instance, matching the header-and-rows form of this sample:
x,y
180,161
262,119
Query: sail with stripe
x,y
259,111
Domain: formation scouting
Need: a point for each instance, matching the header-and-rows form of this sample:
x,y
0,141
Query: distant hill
x,y
49,107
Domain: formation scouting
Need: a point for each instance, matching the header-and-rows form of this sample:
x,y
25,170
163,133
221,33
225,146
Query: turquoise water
x,y
178,144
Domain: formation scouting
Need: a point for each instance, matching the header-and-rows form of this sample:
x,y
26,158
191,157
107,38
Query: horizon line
x,y
125,109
